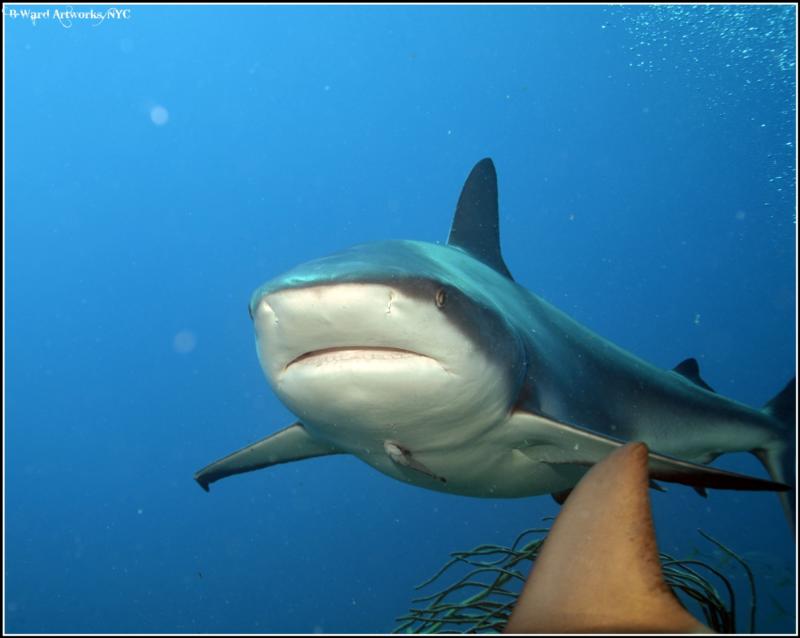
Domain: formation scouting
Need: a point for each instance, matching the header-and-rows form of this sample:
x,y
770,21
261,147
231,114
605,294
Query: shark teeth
x,y
352,353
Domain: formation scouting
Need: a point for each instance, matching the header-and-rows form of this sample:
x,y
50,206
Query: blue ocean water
x,y
164,162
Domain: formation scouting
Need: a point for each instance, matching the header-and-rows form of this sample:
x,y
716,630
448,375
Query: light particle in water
x,y
184,342
159,115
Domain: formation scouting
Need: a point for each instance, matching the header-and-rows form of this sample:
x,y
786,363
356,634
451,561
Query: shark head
x,y
376,343
407,354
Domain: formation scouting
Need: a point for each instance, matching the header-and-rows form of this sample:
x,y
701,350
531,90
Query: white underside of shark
x,y
433,366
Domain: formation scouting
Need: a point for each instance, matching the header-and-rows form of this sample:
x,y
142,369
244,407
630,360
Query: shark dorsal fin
x,y
690,369
475,226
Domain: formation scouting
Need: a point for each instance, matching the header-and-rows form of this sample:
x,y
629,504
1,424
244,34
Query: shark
x,y
599,570
430,363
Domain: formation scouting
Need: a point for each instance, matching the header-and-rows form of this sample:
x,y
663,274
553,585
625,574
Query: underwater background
x,y
162,163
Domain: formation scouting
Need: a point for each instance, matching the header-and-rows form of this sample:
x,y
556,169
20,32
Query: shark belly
x,y
486,467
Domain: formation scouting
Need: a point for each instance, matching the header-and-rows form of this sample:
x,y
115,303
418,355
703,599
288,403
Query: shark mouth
x,y
356,355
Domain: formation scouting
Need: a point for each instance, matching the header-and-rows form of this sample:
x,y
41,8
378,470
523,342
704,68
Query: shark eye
x,y
441,298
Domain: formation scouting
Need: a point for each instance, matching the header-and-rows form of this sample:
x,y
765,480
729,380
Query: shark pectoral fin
x,y
290,444
700,477
402,456
575,445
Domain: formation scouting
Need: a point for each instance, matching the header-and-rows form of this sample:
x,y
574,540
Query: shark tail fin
x,y
778,456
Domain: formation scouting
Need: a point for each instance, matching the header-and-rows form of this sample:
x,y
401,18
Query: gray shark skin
x,y
431,364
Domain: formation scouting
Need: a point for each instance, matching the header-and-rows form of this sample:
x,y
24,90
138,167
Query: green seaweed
x,y
481,600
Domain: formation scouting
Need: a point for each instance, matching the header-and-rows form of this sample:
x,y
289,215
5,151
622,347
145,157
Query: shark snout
x,y
337,324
